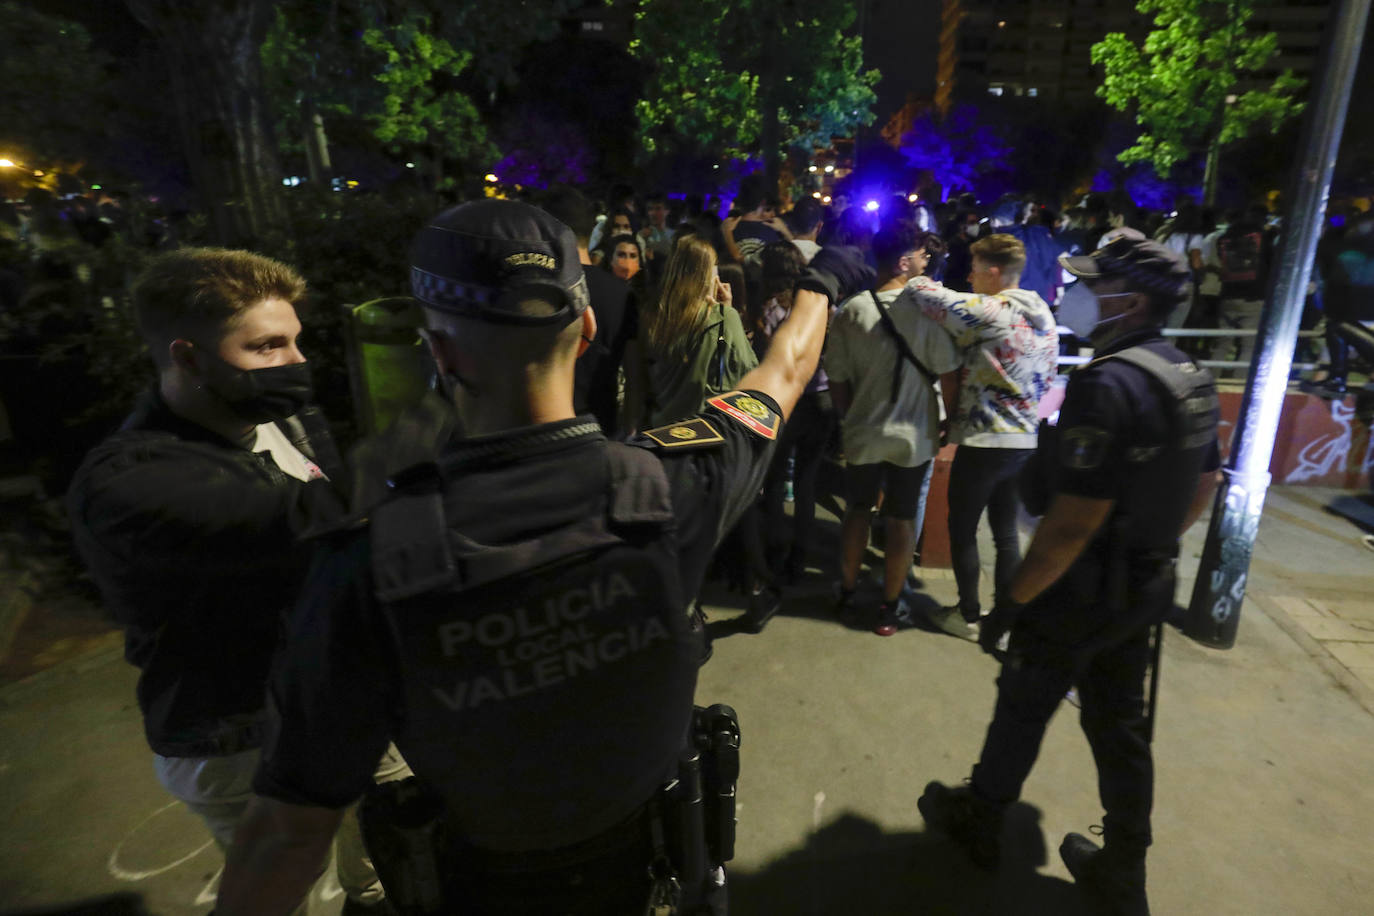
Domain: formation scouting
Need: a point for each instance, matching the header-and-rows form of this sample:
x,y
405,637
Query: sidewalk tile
x,y
1366,675
1298,606
1347,608
1354,655
1325,628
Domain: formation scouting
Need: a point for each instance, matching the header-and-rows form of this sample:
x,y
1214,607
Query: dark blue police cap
x,y
482,259
1147,265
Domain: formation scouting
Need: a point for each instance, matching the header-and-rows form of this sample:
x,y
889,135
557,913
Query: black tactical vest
x,y
1162,476
547,683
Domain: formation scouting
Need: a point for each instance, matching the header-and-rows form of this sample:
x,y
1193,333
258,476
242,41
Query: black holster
x,y
402,826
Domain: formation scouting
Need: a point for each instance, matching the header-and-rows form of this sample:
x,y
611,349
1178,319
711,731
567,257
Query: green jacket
x,y
681,382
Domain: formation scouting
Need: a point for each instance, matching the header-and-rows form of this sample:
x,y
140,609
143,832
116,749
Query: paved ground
x,y
1264,802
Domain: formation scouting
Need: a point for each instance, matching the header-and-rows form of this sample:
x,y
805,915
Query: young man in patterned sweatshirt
x,y
1010,351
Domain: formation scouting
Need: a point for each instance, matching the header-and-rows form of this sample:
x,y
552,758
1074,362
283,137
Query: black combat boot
x,y
763,605
1112,879
971,821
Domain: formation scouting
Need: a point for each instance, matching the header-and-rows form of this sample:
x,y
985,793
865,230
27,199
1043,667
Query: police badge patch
x,y
1084,447
692,433
749,411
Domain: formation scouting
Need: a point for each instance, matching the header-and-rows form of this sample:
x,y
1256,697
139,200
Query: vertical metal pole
x,y
1214,612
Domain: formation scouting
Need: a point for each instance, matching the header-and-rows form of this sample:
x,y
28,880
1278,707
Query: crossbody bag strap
x,y
903,348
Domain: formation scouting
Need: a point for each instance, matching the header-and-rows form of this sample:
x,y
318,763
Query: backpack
x,y
1240,257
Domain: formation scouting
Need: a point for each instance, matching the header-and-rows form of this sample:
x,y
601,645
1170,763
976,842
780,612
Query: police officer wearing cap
x,y
515,617
1131,465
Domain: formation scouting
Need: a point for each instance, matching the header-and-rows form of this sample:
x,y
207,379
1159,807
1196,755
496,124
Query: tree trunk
x,y
318,166
1209,175
211,48
770,136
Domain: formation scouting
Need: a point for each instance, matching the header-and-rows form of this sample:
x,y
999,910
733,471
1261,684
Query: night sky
x,y
902,41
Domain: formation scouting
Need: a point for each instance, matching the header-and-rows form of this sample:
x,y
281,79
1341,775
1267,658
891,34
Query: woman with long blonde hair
x,y
694,340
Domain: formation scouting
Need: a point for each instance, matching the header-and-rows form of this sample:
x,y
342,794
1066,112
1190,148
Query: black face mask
x,y
261,395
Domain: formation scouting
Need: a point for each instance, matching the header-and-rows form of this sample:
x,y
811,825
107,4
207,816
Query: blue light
x,y
871,206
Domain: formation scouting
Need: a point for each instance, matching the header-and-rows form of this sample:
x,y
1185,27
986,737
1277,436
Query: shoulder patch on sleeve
x,y
1084,448
750,412
694,433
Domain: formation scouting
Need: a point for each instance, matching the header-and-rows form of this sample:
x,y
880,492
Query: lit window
x,y
994,90
1032,92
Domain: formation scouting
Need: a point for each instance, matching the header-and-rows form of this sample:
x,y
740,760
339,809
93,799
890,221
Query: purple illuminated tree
x,y
542,149
958,150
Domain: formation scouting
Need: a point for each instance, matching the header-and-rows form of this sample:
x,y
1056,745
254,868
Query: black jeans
x,y
984,478
805,435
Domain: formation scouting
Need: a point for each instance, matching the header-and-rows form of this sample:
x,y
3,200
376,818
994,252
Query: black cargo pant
x,y
1056,646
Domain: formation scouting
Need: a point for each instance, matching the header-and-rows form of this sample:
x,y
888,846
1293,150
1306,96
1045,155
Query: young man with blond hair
x,y
1010,350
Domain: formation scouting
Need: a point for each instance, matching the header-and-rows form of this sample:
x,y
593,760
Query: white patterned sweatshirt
x,y
1010,353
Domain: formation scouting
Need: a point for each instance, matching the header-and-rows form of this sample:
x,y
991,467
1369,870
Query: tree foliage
x,y
51,106
957,149
722,68
417,73
420,105
1183,80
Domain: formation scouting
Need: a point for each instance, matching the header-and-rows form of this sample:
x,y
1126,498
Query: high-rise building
x,y
1015,47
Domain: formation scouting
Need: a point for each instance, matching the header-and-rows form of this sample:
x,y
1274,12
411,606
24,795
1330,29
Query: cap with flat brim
x,y
496,260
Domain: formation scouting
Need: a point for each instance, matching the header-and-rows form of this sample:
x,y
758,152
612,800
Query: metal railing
x,y
1203,332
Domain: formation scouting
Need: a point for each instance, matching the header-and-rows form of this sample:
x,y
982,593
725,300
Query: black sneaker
x,y
845,608
1114,883
894,615
972,822
763,605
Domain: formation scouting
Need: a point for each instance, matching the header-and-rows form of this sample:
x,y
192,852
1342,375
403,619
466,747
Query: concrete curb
x,y
16,600
17,692
1342,675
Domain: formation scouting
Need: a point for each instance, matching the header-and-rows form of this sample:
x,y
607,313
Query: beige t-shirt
x,y
287,456
861,353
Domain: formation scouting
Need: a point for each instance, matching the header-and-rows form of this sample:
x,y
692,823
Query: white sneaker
x,y
950,621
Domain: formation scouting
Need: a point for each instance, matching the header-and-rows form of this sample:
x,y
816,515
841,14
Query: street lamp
x,y
6,164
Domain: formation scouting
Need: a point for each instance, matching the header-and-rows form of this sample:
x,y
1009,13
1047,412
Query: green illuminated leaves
x,y
1185,83
719,67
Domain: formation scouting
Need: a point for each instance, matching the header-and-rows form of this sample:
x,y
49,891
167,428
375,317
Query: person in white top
x,y
890,415
1010,354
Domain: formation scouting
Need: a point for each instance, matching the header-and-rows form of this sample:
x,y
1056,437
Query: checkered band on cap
x,y
450,295
485,258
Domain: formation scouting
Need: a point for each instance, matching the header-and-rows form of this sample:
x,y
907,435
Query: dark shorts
x,y
901,487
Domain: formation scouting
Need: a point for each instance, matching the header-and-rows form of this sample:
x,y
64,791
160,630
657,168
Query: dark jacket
x,y
193,542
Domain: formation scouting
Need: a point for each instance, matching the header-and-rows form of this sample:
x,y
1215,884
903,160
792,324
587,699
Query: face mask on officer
x,y
1080,310
259,395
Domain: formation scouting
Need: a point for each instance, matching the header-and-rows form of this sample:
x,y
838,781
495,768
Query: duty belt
x,y
224,738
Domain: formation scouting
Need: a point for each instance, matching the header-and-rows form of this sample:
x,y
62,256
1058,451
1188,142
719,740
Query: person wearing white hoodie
x,y
1010,351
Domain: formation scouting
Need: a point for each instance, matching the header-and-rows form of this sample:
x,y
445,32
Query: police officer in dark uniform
x,y
1130,467
516,617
